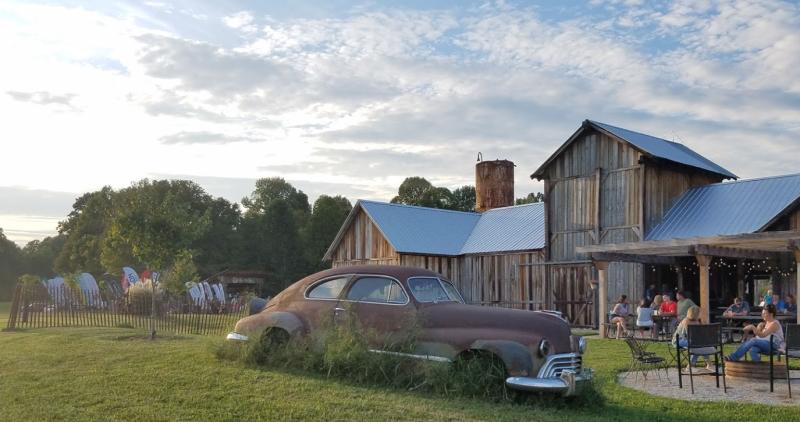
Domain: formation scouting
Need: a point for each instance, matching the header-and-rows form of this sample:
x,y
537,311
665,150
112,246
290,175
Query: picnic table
x,y
729,327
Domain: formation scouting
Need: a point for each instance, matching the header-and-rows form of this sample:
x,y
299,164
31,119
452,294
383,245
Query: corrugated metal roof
x,y
665,149
422,230
745,206
517,228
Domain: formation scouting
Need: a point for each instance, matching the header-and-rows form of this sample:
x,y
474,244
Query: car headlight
x,y
582,345
544,348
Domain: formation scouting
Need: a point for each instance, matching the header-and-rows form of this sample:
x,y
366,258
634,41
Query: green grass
x,y
114,374
5,308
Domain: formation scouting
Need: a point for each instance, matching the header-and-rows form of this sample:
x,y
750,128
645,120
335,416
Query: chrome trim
x,y
413,356
236,336
349,284
556,364
582,344
566,384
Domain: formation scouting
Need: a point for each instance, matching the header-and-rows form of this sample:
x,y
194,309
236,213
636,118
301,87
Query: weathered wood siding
x,y
794,220
515,279
589,206
600,190
363,243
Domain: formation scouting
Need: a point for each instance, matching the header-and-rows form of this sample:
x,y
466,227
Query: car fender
x,y
516,357
286,321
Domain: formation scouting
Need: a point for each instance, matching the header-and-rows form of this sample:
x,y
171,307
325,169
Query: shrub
x,y
140,296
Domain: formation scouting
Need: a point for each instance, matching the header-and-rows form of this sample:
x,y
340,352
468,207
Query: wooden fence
x,y
35,306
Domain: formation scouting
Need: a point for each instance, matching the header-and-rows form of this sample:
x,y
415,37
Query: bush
x,y
140,296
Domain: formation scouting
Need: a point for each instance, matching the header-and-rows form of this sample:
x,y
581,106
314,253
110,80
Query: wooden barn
x,y
622,210
493,257
607,185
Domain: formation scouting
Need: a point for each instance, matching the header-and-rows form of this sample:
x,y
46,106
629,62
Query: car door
x,y
381,306
320,301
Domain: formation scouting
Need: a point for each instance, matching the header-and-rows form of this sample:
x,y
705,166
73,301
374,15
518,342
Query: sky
x,y
349,98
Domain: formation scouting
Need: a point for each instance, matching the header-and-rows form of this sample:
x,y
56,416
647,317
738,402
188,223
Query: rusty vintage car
x,y
537,348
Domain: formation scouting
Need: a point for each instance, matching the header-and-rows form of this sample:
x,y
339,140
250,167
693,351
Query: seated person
x,y
767,299
770,328
791,304
780,306
656,305
684,303
619,315
738,308
681,336
644,318
669,308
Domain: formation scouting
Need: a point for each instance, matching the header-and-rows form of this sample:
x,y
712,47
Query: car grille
x,y
556,364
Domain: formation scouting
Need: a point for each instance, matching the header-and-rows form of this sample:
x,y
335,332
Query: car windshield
x,y
431,289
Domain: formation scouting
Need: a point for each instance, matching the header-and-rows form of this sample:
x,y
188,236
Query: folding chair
x,y
704,339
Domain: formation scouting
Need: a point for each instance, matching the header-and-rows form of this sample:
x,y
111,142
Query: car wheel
x,y
480,373
272,338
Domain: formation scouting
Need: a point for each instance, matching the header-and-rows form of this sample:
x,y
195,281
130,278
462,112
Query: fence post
x,y
12,318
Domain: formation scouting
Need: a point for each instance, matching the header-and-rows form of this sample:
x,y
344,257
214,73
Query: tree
x,y
282,248
40,255
530,199
11,266
220,247
327,217
272,189
182,271
85,229
464,198
412,191
159,219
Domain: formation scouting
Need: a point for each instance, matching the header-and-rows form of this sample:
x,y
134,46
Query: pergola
x,y
763,245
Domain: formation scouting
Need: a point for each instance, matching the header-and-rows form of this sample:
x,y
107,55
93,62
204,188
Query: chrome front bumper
x,y
236,336
567,384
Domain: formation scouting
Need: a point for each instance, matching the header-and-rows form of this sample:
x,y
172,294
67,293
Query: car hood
x,y
484,318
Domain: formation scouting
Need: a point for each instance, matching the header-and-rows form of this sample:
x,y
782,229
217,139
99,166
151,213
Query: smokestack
x,y
494,184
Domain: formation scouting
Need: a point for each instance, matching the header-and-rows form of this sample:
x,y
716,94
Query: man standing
x,y
650,293
684,303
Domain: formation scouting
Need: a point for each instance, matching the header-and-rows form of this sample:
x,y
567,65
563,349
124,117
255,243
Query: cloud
x,y
35,202
43,98
205,138
241,20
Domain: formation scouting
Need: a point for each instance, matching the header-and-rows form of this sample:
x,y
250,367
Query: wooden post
x,y
679,275
704,262
796,248
740,279
602,294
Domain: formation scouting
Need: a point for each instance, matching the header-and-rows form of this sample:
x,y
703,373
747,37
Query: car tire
x,y
273,338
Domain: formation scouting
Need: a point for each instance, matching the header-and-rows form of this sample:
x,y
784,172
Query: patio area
x,y
739,390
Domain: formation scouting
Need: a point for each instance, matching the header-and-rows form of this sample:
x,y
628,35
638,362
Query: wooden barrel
x,y
755,370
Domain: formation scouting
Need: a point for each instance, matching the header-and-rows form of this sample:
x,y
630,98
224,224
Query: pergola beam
x,y
642,259
728,252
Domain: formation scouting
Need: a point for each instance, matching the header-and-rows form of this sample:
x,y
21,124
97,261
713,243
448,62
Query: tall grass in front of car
x,y
343,351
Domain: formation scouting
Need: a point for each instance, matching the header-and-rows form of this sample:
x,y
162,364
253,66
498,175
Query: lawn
x,y
114,374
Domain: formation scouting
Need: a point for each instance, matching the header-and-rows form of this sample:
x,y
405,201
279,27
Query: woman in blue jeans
x,y
760,344
681,336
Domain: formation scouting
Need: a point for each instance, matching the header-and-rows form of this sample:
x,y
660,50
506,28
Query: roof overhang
x,y
764,245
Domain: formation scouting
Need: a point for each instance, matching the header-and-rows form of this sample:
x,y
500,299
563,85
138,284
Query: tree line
x,y
176,225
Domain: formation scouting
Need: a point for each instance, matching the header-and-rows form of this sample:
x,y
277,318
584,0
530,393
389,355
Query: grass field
x,y
114,374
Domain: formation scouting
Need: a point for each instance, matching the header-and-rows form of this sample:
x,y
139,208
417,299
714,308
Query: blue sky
x,y
349,98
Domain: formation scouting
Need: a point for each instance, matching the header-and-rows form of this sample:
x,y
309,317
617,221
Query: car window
x,y
377,290
452,291
429,289
329,289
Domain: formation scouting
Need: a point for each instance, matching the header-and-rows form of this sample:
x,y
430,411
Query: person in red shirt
x,y
668,308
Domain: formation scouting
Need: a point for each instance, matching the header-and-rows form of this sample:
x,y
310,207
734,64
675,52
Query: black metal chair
x,y
792,350
772,353
642,360
704,340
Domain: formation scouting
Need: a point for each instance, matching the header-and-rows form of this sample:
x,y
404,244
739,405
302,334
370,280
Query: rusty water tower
x,y
494,184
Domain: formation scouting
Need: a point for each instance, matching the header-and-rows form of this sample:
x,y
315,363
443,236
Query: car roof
x,y
396,271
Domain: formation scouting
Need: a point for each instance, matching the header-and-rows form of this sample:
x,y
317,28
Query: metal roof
x,y
665,149
421,230
517,228
745,206
432,231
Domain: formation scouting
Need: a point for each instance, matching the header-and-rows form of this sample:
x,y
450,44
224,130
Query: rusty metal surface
x,y
494,184
447,329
